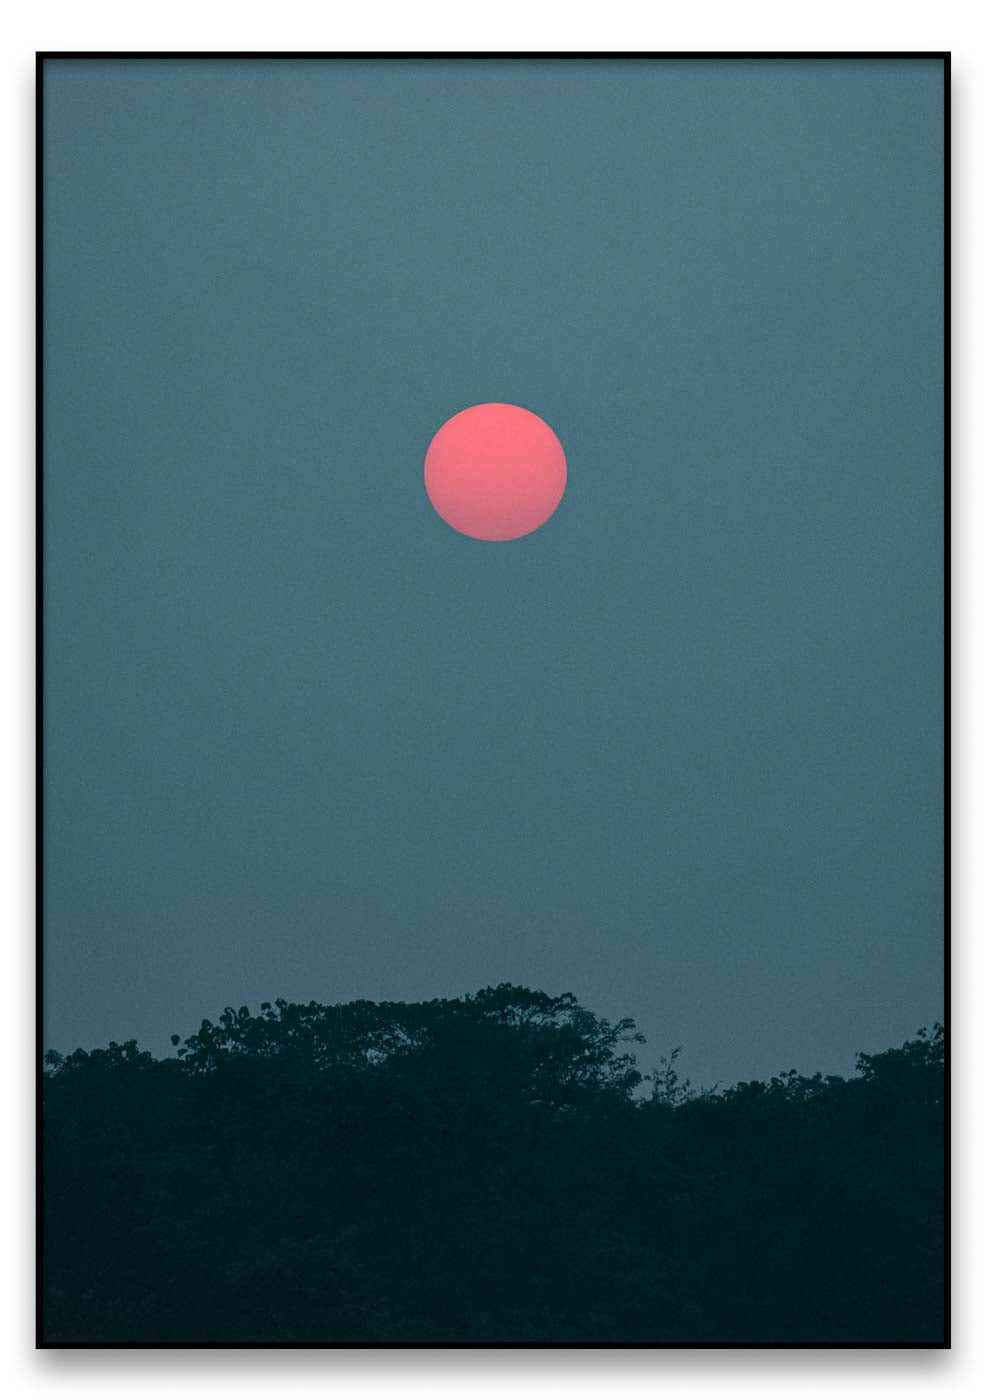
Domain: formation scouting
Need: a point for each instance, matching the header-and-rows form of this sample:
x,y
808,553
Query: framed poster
x,y
492,638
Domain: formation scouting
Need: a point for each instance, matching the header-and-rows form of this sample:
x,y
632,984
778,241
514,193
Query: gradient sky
x,y
680,750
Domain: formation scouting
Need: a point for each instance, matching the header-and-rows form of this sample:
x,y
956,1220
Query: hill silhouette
x,y
490,1169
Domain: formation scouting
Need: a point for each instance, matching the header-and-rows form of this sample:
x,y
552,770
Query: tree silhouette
x,y
484,1169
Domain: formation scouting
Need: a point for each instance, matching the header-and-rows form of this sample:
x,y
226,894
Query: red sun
x,y
495,471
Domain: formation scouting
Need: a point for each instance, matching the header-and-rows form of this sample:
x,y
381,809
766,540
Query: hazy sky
x,y
680,750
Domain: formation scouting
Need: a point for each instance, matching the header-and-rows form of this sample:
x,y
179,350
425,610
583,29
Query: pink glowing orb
x,y
495,471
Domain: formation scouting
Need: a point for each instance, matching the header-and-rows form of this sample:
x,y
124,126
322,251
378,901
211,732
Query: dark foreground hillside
x,y
482,1171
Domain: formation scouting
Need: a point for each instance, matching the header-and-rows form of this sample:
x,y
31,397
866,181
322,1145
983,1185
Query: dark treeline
x,y
490,1169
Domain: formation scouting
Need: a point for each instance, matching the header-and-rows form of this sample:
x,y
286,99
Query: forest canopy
x,y
489,1169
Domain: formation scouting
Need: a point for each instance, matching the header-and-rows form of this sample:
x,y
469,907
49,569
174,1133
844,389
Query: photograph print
x,y
492,700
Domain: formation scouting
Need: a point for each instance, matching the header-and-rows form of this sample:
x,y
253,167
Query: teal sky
x,y
680,750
